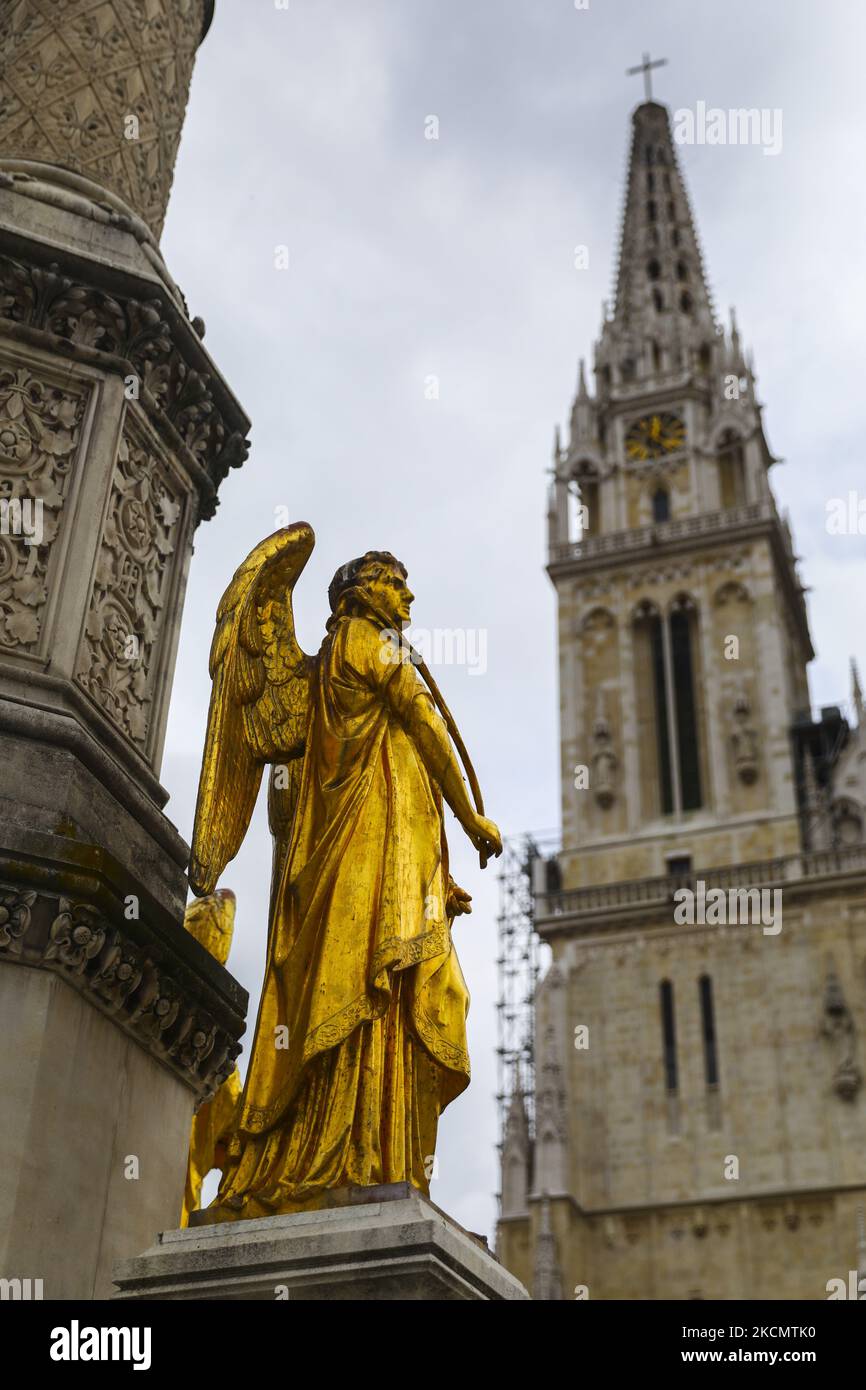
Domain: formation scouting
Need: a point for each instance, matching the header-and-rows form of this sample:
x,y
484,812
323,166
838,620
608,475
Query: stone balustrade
x,y
643,537
616,900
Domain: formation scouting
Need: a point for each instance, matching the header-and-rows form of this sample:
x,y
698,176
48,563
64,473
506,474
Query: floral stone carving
x,y
40,427
15,916
77,935
120,648
177,391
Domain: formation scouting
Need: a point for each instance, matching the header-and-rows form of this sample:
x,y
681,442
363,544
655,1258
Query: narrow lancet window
x,y
686,708
708,1029
669,1036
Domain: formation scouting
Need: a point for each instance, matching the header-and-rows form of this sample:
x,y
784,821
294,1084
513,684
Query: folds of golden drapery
x,y
360,1041
211,1130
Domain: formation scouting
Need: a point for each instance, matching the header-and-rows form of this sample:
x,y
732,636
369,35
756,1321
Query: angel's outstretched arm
x,y
425,726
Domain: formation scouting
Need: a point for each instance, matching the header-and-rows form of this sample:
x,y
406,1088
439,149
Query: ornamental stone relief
x,y
173,388
598,588
667,574
77,71
40,430
657,467
120,649
128,980
15,915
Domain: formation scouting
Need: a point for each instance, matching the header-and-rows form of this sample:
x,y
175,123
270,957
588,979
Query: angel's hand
x,y
485,836
458,900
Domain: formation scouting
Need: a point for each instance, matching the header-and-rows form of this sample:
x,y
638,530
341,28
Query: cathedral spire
x,y
856,692
584,427
516,1155
582,392
663,319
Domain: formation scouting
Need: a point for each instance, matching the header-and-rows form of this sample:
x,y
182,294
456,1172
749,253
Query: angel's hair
x,y
346,589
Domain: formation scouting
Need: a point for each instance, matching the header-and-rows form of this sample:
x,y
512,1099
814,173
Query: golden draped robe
x,y
360,1041
211,1124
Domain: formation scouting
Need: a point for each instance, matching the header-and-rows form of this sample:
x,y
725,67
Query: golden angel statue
x,y
360,1041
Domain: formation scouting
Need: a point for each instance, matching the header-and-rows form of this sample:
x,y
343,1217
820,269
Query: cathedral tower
x,y
700,1123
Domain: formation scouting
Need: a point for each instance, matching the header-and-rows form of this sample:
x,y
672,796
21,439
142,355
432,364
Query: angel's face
x,y
391,597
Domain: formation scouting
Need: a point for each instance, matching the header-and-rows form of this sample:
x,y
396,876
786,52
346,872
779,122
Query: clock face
x,y
655,435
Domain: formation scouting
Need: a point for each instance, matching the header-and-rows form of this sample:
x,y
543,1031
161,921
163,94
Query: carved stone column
x,y
116,430
100,87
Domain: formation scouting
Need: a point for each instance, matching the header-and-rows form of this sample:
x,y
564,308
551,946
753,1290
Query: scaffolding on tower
x,y
519,961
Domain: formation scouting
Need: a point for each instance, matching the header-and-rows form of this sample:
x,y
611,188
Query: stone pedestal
x,y
384,1243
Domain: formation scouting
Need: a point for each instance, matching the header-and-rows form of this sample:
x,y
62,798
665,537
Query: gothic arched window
x,y
683,630
732,471
686,302
652,705
587,483
658,302
667,691
661,505
654,270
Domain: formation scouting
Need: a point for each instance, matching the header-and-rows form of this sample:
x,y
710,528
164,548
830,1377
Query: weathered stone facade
x,y
699,1115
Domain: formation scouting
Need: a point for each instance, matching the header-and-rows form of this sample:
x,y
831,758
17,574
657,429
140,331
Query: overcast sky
x,y
411,258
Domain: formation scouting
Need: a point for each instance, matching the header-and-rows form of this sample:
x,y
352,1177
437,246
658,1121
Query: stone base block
x,y
395,1244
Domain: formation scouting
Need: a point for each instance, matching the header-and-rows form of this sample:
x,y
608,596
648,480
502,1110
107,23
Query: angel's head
x,y
375,582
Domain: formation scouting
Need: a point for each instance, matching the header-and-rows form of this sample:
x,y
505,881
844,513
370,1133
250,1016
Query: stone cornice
x,y
665,389
131,325
663,1206
147,974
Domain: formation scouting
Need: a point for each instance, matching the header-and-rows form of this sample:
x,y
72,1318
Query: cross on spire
x,y
646,67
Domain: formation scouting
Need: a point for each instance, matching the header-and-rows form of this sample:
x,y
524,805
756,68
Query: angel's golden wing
x,y
259,699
